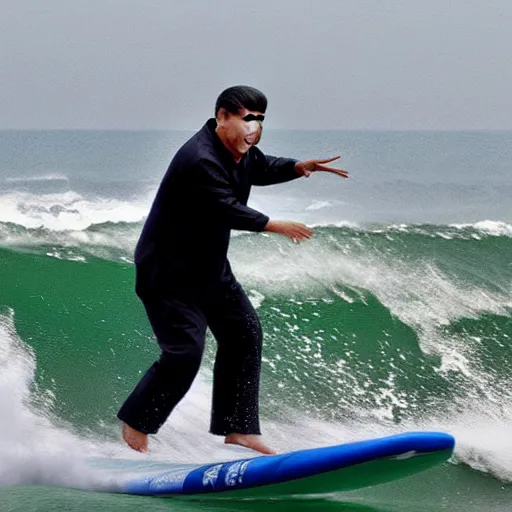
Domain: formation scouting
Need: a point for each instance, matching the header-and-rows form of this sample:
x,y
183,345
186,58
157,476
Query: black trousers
x,y
179,321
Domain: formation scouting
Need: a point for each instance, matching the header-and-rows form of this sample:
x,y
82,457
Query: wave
x,y
355,348
114,239
110,241
318,205
488,227
71,210
68,210
467,231
34,449
37,178
369,330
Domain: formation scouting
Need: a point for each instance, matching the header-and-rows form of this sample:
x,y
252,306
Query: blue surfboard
x,y
323,470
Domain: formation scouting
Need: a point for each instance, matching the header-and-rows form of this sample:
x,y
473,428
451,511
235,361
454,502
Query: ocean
x,y
395,316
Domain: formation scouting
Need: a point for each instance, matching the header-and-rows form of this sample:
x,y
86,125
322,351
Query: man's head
x,y
236,98
239,112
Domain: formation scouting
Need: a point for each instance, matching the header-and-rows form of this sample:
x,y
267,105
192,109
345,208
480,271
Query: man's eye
x,y
252,117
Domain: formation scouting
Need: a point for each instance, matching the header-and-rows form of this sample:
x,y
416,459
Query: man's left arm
x,y
270,170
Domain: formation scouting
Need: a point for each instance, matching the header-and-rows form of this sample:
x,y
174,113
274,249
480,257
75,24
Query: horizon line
x,y
359,130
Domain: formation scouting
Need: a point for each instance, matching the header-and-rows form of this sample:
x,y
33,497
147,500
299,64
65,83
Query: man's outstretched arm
x,y
271,170
306,167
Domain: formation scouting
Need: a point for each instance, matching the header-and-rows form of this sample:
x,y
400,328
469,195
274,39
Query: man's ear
x,y
222,114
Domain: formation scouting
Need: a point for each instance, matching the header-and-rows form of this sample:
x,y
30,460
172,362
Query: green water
x,y
366,332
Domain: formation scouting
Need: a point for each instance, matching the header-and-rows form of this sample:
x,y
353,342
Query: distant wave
x,y
467,231
67,210
318,205
32,179
489,227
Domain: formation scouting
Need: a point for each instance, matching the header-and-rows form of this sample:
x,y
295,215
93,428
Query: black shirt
x,y
203,195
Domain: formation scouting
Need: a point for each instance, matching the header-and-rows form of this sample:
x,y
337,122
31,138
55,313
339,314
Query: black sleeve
x,y
216,193
270,170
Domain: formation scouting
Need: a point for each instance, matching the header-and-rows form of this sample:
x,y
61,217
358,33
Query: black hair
x,y
238,97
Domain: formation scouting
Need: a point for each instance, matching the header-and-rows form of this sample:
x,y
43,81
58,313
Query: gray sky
x,y
324,64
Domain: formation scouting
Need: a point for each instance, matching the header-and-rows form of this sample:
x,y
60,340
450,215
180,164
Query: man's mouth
x,y
253,133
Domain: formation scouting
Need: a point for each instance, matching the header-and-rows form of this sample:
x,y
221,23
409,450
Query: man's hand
x,y
294,230
306,167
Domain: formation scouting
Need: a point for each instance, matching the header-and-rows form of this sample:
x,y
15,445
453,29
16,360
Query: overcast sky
x,y
323,64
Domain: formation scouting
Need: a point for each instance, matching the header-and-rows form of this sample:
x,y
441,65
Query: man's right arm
x,y
215,191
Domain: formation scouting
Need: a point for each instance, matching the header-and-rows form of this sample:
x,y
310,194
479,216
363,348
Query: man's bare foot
x,y
135,439
249,441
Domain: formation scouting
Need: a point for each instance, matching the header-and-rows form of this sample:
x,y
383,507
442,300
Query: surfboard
x,y
324,470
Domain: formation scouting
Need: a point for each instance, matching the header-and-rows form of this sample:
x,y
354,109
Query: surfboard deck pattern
x,y
313,471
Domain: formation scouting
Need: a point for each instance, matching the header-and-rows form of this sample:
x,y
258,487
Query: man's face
x,y
239,132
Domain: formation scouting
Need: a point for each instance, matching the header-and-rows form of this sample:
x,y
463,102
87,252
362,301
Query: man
x,y
185,280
